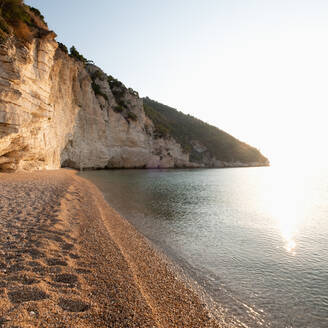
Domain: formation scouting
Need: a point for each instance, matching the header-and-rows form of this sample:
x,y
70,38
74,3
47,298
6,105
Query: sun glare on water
x,y
286,203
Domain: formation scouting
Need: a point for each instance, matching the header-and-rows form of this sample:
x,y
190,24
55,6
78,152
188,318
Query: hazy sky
x,y
256,69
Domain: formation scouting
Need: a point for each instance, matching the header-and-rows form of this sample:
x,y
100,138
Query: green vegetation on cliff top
x,y
19,19
186,129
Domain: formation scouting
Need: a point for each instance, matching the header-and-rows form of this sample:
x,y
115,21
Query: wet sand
x,y
67,259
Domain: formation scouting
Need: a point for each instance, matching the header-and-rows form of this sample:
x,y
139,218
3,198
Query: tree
x,y
75,54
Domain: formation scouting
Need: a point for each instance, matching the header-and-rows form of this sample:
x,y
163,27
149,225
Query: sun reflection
x,y
286,204
289,238
290,246
288,226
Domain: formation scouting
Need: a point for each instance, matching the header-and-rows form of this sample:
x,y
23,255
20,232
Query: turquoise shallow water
x,y
256,239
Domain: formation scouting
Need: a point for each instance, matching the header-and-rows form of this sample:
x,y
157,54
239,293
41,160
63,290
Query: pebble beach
x,y
67,259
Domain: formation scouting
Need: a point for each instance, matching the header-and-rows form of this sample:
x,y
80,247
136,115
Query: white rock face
x,y
50,116
56,111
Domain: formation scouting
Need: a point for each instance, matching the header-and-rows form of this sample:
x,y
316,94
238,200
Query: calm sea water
x,y
256,239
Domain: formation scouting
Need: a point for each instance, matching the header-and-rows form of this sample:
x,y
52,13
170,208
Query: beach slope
x,y
67,259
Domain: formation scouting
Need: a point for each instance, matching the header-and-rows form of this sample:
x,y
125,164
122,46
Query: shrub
x,y
15,17
21,19
133,92
104,96
114,83
4,26
37,18
22,31
118,109
4,30
161,131
161,126
3,36
13,11
37,12
97,75
119,91
97,90
131,116
76,55
62,47
118,94
122,103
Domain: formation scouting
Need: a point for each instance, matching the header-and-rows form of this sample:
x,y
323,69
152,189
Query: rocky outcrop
x,y
56,111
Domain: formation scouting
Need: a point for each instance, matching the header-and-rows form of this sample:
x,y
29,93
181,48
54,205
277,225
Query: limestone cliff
x,y
59,110
50,115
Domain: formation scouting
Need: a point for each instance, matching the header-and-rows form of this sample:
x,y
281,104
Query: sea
x,y
254,239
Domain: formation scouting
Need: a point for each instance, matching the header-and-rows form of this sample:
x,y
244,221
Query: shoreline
x,y
82,169
68,259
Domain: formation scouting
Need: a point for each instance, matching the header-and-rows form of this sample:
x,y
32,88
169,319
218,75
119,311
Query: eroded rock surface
x,y
56,111
50,115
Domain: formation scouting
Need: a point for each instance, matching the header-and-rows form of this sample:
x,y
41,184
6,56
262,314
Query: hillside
x,y
203,141
58,109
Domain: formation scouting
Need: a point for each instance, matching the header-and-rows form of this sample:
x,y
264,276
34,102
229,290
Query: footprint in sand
x,y
35,253
55,261
39,269
74,256
73,305
16,268
26,294
82,271
67,246
24,279
66,278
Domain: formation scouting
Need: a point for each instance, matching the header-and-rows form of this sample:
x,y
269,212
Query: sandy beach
x,y
67,259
